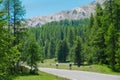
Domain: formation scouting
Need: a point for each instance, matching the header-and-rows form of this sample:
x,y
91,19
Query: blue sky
x,y
46,7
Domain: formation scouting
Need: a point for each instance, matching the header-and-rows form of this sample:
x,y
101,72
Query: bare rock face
x,y
74,14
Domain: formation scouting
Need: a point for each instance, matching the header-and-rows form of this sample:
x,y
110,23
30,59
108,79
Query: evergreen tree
x,y
117,65
17,13
62,51
111,49
87,50
99,40
46,48
91,22
96,43
7,54
8,7
33,55
78,58
51,49
16,16
71,37
3,42
112,8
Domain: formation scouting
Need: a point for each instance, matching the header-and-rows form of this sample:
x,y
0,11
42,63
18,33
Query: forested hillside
x,y
56,35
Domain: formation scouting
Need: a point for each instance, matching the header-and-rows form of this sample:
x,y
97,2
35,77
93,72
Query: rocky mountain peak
x,y
73,14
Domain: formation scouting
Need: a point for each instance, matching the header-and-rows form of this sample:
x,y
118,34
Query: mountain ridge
x,y
81,12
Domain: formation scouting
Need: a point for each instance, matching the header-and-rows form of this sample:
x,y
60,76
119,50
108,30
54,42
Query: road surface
x,y
79,75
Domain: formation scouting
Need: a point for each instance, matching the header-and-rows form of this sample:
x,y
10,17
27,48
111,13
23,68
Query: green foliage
x,y
112,8
78,57
110,40
8,53
51,49
3,46
10,45
32,55
117,59
102,43
94,45
62,51
49,35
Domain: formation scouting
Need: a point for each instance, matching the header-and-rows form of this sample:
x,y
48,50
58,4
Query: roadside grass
x,y
50,63
37,76
40,76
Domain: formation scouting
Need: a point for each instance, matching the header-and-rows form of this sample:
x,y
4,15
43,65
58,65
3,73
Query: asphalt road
x,y
79,75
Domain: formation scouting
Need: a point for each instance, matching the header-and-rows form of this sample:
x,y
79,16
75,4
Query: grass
x,y
41,76
38,76
91,68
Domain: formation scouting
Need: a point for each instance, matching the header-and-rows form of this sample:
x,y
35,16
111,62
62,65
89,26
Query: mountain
x,y
73,14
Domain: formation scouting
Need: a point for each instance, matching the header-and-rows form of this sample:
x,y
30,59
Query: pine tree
x,y
7,54
78,57
62,51
8,7
3,43
87,50
91,22
117,65
99,40
51,49
71,37
17,15
111,11
95,45
33,55
111,48
46,48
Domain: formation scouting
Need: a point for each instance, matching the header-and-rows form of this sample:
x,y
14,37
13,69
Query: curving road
x,y
79,75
